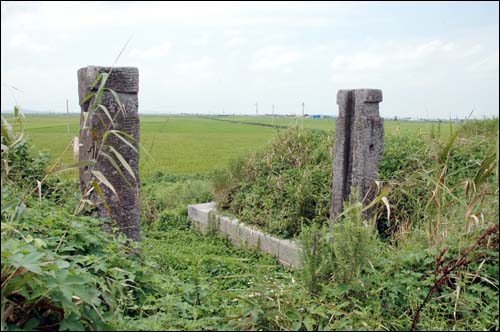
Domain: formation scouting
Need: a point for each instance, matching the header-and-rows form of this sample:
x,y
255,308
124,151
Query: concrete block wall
x,y
205,219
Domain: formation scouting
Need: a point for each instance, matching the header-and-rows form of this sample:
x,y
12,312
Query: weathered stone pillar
x,y
359,142
123,210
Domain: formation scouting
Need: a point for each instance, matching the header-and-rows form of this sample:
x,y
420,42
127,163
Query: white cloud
x,y
78,15
26,42
202,40
197,69
274,57
358,62
392,57
486,64
437,75
152,52
235,42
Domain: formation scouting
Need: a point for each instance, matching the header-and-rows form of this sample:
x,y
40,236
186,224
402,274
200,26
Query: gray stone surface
x,y
269,244
286,251
253,241
223,221
247,237
124,209
201,213
233,231
359,143
289,253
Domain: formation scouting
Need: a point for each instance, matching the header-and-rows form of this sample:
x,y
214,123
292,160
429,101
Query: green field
x,y
391,126
187,145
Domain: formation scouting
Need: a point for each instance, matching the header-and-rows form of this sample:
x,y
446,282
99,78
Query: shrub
x,y
283,187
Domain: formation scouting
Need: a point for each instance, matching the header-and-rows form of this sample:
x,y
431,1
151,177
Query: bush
x,y
282,188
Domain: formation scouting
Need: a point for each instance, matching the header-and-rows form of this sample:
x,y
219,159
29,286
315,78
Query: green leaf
x,y
96,81
100,91
118,101
122,161
9,204
87,98
115,166
19,212
89,295
40,243
104,180
309,323
31,262
105,110
78,164
119,133
97,188
71,323
61,264
31,324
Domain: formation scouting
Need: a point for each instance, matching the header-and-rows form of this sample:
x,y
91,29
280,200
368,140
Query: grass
x,y
177,145
188,145
391,126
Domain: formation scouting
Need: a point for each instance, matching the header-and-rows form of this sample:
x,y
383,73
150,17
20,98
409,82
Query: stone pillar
x,y
359,142
123,209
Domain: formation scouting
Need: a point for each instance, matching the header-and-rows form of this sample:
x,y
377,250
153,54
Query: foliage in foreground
x,y
59,271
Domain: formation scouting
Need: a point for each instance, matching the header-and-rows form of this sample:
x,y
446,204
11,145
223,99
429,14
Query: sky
x,y
431,60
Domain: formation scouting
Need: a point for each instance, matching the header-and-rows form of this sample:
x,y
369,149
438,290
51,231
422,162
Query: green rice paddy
x,y
187,145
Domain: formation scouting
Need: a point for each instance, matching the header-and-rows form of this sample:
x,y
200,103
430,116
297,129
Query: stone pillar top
x,y
364,95
122,79
369,95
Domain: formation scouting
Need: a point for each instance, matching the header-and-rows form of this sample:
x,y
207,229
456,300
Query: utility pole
x,y
67,115
303,106
272,121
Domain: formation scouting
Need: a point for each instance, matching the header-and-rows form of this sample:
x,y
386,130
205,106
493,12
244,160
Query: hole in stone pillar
x,y
371,147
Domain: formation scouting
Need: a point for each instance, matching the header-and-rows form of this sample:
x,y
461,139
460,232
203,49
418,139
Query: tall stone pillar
x,y
121,209
359,143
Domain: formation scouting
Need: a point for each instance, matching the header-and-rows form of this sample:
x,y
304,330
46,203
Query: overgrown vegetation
x,y
432,265
59,270
282,187
87,279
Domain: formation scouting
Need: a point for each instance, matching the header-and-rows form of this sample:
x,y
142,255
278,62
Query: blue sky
x,y
436,60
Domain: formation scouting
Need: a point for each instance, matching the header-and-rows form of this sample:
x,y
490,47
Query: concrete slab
x,y
205,218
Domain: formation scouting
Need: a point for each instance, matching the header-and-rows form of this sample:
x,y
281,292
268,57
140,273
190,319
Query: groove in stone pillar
x,y
349,117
